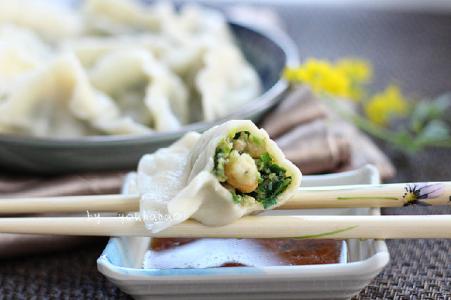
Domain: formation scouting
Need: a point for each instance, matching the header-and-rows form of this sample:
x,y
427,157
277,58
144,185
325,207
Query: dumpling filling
x,y
248,171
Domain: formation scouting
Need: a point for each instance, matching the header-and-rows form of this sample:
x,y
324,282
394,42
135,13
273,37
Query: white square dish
x,y
121,262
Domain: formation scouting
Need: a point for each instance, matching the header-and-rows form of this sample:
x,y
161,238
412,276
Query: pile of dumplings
x,y
116,67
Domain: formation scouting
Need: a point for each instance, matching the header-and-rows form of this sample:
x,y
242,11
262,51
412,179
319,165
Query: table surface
x,y
412,49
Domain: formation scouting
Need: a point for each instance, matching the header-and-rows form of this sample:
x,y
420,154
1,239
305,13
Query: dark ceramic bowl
x,y
268,52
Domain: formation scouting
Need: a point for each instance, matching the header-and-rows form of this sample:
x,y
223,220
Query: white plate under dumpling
x,y
121,262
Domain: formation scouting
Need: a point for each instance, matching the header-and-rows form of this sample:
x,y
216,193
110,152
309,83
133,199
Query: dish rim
x,y
278,37
361,268
364,267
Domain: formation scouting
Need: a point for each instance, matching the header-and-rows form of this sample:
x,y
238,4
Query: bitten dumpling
x,y
229,171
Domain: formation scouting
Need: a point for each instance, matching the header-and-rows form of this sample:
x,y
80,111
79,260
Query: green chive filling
x,y
272,179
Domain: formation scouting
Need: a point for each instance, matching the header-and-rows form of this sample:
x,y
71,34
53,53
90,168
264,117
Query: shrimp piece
x,y
239,145
242,172
255,150
249,144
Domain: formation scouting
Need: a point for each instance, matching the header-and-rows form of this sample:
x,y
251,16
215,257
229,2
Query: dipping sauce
x,y
176,253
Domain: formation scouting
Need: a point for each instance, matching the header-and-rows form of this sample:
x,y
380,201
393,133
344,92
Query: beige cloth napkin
x,y
309,134
78,184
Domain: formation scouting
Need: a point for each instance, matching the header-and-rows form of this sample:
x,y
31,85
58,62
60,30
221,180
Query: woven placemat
x,y
419,269
65,275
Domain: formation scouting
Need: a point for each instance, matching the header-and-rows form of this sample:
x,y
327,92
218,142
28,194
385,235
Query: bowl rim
x,y
268,98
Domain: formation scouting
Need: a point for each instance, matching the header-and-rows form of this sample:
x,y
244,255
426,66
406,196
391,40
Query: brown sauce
x,y
174,253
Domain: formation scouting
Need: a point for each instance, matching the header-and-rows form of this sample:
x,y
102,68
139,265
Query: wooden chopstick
x,y
370,195
106,203
346,196
334,227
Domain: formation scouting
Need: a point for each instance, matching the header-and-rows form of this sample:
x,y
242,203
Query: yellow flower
x,y
359,73
343,79
358,70
382,107
290,74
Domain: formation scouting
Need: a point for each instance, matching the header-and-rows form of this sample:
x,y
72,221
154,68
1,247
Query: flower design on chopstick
x,y
416,192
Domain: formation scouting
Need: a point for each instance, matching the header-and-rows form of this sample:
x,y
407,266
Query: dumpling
x,y
225,82
178,58
204,25
52,20
21,51
229,171
91,48
166,98
143,87
178,38
120,16
58,101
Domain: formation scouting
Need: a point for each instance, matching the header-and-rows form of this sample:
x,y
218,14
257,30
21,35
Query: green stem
x,y
367,197
324,234
382,133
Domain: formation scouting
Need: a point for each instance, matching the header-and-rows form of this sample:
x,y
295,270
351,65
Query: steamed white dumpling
x,y
176,37
225,82
166,98
120,16
189,33
58,101
51,20
90,49
178,58
143,87
229,171
206,26
21,51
